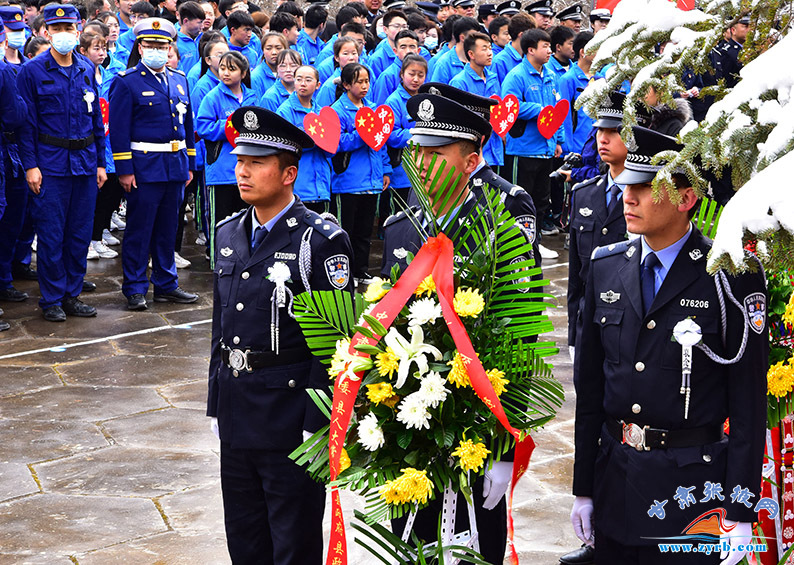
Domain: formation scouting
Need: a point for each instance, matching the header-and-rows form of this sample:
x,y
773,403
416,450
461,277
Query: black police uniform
x,y
629,369
260,367
726,60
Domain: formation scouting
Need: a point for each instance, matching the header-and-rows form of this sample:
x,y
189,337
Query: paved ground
x,y
107,456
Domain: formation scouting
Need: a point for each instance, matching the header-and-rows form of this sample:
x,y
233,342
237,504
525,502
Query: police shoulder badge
x,y
337,269
522,280
527,223
755,306
250,121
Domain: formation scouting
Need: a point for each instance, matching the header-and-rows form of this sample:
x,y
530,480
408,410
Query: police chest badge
x,y
585,212
227,251
755,306
610,296
527,222
337,269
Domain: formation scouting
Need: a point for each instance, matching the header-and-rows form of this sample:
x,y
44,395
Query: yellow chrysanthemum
x,y
427,286
468,302
498,381
458,375
780,379
392,401
472,455
387,363
412,486
380,392
344,460
788,317
375,290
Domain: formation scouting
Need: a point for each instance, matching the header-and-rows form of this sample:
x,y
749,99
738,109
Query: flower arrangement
x,y
780,377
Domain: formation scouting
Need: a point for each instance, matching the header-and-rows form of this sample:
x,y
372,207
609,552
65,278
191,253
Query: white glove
x,y
582,519
214,427
742,535
494,486
572,353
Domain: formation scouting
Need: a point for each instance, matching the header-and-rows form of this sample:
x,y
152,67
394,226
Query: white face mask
x,y
154,58
64,42
16,39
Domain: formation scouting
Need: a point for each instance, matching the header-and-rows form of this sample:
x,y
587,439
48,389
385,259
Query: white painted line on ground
x,y
554,266
65,346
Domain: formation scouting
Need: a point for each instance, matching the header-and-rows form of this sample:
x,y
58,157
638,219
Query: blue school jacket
x,y
262,78
571,85
275,96
468,80
505,62
399,138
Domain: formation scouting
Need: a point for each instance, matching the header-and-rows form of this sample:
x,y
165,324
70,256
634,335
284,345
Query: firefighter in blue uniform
x,y
649,436
63,154
260,365
151,134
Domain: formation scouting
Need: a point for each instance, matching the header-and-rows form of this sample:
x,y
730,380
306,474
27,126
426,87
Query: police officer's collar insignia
x,y
400,253
292,222
585,212
631,251
337,269
755,306
318,221
527,223
610,296
426,111
250,120
227,251
477,182
695,254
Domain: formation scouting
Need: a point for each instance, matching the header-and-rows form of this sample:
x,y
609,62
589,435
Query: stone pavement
x,y
107,456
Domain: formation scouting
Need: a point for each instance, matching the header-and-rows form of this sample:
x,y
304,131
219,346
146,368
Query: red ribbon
x,y
435,257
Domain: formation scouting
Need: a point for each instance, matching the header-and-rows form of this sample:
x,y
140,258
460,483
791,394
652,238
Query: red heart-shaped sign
x,y
551,118
105,108
375,127
324,129
504,114
231,133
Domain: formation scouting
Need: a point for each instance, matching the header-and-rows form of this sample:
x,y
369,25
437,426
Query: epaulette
x,y
400,216
515,190
178,71
231,217
122,73
612,249
326,228
587,182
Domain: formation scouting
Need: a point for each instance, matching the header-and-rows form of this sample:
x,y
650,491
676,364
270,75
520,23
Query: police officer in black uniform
x,y
726,55
650,444
260,365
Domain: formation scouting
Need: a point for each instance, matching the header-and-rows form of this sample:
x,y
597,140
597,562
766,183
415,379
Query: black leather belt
x,y
247,360
71,144
645,438
10,136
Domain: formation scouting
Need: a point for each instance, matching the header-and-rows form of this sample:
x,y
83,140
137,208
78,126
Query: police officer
x,y
542,12
259,371
151,134
725,57
651,455
63,154
571,17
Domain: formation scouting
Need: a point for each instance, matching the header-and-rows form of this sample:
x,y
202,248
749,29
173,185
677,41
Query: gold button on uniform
x,y
240,306
651,325
640,366
636,408
236,339
245,275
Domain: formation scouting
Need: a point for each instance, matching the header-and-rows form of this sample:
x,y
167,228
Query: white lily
x,y
350,363
414,352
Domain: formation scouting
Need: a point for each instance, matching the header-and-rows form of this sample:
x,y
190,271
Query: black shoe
x,y
177,295
54,314
73,306
89,286
23,272
4,325
11,294
585,555
136,302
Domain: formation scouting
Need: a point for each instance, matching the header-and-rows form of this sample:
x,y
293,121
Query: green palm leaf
x,y
325,316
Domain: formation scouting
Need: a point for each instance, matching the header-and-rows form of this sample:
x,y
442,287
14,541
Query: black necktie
x,y
614,190
648,280
260,234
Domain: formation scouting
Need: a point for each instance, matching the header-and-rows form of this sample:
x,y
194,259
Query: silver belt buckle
x,y
634,436
238,360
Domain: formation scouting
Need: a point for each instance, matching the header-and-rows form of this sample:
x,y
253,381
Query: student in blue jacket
x,y
350,30
406,42
578,124
287,63
510,57
233,92
393,23
264,75
346,51
240,26
356,183
198,70
313,184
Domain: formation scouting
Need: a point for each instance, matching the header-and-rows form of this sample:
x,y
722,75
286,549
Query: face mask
x,y
64,42
382,34
431,42
154,58
16,39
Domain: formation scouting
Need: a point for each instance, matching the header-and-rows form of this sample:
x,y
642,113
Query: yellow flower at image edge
x,y
788,317
380,392
472,455
427,286
468,302
780,379
375,290
498,381
387,363
344,460
458,375
412,486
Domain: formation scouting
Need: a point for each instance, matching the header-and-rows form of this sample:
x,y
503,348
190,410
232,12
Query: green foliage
x,y
325,316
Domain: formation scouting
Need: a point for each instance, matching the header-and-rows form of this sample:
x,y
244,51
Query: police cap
x,y
602,14
429,9
393,5
441,121
2,32
60,13
542,7
573,12
13,17
509,8
155,29
647,143
263,133
463,3
486,10
610,113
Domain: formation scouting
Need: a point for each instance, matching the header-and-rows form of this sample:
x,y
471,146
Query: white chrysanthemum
x,y
432,390
424,311
413,412
369,433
